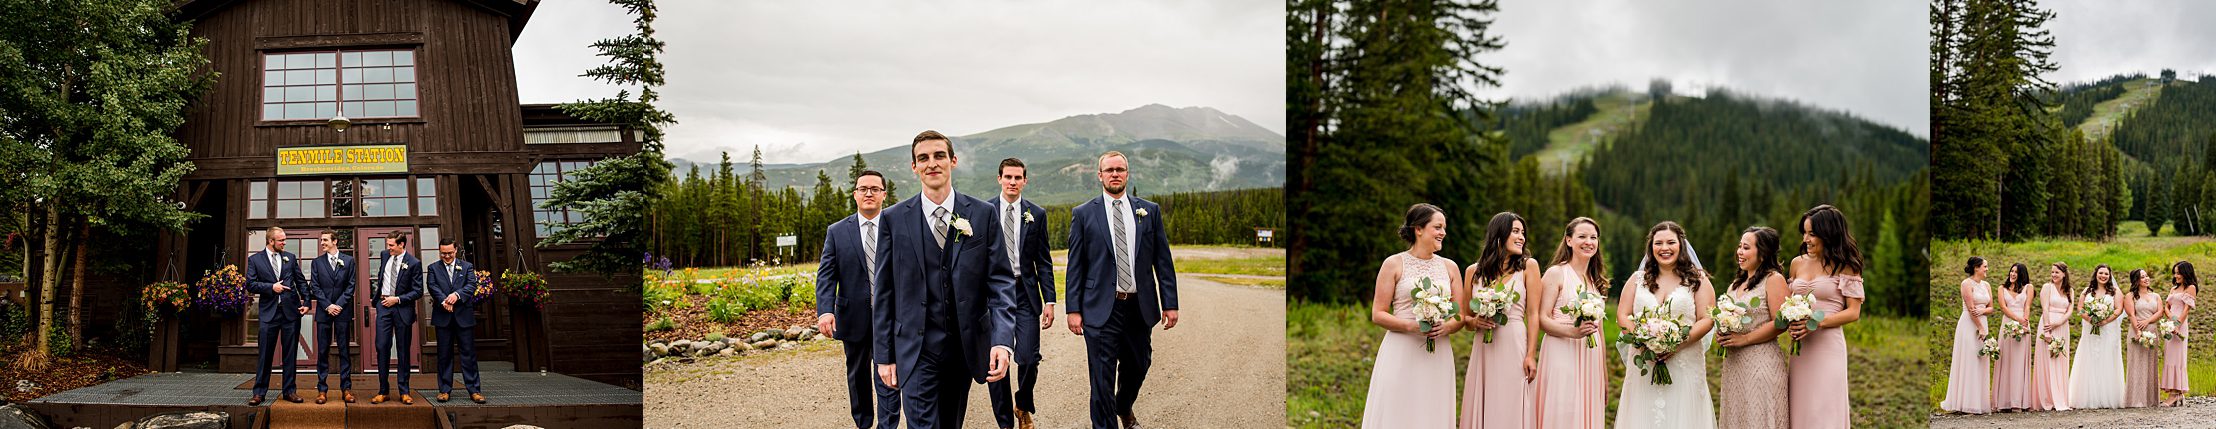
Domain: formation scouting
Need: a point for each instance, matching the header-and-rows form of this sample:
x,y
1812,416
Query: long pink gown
x,y
1494,393
2012,376
1754,397
1818,387
1572,384
1411,387
2050,374
2139,361
1969,374
2173,350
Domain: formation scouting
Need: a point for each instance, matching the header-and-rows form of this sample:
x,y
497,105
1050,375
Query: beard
x,y
1118,190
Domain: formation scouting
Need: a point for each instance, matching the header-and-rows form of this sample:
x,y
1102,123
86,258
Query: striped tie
x,y
1123,252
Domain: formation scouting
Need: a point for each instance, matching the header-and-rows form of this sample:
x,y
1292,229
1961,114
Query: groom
x,y
1121,283
942,318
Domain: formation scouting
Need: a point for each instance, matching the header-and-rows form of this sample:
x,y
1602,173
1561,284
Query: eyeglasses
x,y
869,190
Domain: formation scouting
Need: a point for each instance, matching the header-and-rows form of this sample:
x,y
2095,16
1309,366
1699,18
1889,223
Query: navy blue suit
x,y
940,310
843,291
1118,332
396,324
455,328
1034,287
280,314
334,285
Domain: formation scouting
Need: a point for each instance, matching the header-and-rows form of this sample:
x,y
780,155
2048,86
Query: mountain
x,y
1171,150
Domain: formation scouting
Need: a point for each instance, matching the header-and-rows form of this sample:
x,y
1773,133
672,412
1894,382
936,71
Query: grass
x,y
2108,114
1330,350
1616,111
2132,249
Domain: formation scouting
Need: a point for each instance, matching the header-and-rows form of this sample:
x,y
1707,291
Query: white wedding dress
x,y
1684,402
2097,370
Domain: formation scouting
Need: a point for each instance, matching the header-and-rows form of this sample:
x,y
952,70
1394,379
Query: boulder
x,y
765,344
185,420
15,416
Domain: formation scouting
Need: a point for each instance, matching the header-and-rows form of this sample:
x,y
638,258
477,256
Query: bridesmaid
x,y
1571,382
2139,360
2050,374
2012,376
1497,393
1754,397
1411,387
1830,270
1969,388
2181,302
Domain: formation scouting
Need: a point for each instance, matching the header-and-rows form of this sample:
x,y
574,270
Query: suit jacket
x,y
334,285
1092,262
842,278
461,282
983,286
261,280
407,286
1035,282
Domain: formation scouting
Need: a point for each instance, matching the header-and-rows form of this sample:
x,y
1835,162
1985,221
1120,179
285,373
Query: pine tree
x,y
616,193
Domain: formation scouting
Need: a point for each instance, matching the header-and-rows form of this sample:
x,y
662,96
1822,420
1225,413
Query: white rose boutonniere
x,y
1142,212
961,228
1026,217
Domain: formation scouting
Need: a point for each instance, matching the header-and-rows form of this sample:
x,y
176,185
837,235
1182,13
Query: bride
x,y
2097,371
1671,278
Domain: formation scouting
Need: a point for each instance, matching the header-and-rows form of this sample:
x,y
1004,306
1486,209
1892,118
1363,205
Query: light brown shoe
x,y
477,397
379,399
349,396
1023,420
442,396
407,399
321,396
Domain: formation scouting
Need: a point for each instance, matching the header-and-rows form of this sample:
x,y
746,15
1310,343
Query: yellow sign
x,y
342,160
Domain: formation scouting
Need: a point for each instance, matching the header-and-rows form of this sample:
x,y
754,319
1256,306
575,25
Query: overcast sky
x,y
810,81
1868,58
2094,40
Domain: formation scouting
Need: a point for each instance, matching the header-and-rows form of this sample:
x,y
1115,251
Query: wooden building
x,y
438,145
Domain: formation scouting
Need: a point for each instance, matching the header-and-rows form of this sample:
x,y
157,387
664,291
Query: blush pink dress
x,y
2050,374
1818,386
1572,385
1409,386
2139,360
2173,351
1969,374
2012,375
1754,396
1494,393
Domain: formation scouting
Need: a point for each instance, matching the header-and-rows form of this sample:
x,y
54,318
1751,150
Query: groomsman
x,y
334,320
1025,239
1121,283
398,286
275,281
844,289
454,283
942,318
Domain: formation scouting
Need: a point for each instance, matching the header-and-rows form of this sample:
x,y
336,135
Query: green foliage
x,y
2078,100
62,344
661,324
1990,114
723,311
616,194
15,321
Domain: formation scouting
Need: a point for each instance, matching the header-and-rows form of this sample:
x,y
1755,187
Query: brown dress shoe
x,y
294,398
1023,420
1129,421
379,399
320,396
348,395
442,396
256,400
407,399
477,397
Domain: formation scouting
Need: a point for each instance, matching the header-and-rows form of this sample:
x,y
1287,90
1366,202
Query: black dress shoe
x,y
1129,421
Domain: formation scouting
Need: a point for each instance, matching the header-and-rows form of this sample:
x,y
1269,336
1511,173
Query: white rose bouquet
x,y
1492,303
1433,304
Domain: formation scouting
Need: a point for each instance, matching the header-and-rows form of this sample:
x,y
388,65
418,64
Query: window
x,y
426,192
548,220
257,196
384,197
321,85
342,198
300,199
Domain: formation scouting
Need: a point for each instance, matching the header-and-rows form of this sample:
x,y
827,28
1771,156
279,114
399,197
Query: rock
x,y
185,420
792,334
733,341
646,353
728,353
17,417
659,349
758,336
772,333
742,346
25,386
765,344
713,347
715,336
820,337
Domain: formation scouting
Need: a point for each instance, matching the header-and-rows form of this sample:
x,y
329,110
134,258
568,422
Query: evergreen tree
x,y
615,194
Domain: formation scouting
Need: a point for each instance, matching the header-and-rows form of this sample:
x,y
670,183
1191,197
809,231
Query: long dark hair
x,y
1594,269
2023,278
1830,226
2064,267
2185,269
1496,261
2094,283
2135,276
1418,216
1687,274
1765,247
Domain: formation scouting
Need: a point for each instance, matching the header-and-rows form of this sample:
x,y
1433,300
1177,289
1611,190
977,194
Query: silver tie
x,y
938,225
869,257
1123,252
1008,230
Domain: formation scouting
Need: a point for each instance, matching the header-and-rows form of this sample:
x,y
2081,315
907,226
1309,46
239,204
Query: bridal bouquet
x,y
2011,329
2150,337
1587,307
1653,330
2055,348
1990,349
1731,315
2168,328
2095,310
1492,303
1433,304
1799,308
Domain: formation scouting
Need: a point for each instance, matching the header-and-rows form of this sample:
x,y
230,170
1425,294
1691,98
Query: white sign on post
x,y
787,241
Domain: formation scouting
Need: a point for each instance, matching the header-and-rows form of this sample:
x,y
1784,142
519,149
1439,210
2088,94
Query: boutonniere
x,y
1141,212
1026,217
961,227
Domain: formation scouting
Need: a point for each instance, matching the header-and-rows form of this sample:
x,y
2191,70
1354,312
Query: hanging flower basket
x,y
223,292
524,287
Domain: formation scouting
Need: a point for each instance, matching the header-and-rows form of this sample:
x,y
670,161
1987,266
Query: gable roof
x,y
518,12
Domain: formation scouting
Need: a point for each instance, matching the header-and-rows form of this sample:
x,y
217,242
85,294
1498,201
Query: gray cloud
x,y
2094,40
809,81
1870,59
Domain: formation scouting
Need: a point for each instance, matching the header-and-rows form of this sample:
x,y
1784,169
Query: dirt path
x,y
2196,412
1223,366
